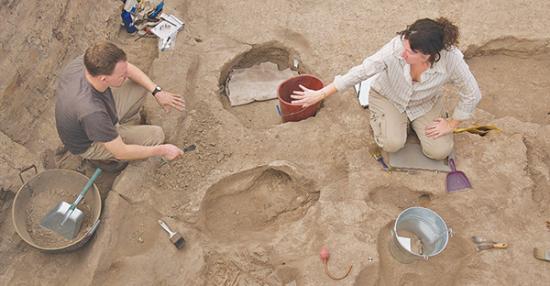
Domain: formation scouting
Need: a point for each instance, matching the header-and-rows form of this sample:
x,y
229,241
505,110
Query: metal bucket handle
x,y
449,232
26,169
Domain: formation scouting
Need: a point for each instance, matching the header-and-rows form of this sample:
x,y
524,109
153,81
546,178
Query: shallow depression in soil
x,y
255,200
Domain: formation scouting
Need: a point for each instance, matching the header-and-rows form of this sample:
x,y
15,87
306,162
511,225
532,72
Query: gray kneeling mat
x,y
411,157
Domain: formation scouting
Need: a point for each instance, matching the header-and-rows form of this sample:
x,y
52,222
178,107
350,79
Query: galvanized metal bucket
x,y
427,235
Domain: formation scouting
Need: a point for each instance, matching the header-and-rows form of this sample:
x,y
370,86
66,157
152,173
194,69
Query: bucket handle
x,y
26,169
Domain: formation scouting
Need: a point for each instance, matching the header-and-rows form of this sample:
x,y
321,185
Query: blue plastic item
x,y
128,22
153,14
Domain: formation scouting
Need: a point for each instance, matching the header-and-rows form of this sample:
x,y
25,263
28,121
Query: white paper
x,y
172,20
167,30
164,30
363,89
405,242
257,83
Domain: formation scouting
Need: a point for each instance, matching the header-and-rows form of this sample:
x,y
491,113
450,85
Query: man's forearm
x,y
122,151
137,152
139,77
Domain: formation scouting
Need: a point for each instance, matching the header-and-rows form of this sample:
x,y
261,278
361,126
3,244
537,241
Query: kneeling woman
x,y
410,72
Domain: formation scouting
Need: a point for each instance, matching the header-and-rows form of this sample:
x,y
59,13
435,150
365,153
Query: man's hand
x,y
440,127
170,152
167,99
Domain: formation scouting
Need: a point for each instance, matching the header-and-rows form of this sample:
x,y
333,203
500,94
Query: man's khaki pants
x,y
128,99
390,128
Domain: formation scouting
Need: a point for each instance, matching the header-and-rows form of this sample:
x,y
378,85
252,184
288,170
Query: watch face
x,y
157,90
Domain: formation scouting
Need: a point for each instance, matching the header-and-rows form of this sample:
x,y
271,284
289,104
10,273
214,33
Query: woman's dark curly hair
x,y
431,36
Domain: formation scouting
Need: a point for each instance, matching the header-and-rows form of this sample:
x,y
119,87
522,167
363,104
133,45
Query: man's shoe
x,y
109,166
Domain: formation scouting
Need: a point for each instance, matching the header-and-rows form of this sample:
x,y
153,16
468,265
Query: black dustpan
x,y
456,180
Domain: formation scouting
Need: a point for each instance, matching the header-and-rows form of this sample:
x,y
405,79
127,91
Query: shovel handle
x,y
86,188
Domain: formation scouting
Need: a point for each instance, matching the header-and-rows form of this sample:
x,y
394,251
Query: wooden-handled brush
x,y
542,254
175,237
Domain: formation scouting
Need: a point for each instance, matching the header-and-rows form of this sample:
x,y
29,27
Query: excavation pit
x,y
250,83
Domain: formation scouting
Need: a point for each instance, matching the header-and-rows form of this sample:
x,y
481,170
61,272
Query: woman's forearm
x,y
328,91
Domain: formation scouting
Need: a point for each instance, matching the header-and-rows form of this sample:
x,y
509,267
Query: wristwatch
x,y
156,90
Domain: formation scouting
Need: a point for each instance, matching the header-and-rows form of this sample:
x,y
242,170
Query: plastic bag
x,y
167,43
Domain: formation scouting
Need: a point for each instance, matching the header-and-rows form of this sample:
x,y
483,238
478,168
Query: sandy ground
x,y
257,199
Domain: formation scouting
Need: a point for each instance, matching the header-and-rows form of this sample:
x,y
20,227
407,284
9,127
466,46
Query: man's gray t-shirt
x,y
83,115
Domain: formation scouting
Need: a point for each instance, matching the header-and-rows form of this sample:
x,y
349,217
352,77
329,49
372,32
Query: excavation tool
x,y
476,129
325,255
187,149
542,254
489,245
175,237
65,219
376,153
456,180
484,244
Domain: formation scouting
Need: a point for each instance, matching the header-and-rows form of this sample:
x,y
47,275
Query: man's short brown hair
x,y
101,58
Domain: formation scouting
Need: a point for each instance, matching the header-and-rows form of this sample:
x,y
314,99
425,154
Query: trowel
x,y
484,244
187,149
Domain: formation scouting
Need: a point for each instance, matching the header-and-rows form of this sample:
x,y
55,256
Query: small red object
x,y
324,254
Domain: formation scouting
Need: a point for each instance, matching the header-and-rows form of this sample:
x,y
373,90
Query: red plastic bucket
x,y
291,112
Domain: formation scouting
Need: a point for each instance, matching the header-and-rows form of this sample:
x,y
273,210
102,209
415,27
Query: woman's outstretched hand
x,y
307,97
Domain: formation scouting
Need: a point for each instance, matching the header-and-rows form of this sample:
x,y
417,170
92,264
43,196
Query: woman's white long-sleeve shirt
x,y
415,98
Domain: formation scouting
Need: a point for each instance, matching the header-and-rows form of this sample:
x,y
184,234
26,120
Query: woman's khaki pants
x,y
390,128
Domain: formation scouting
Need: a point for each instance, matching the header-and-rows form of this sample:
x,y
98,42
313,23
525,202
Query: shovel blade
x,y
457,181
63,221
